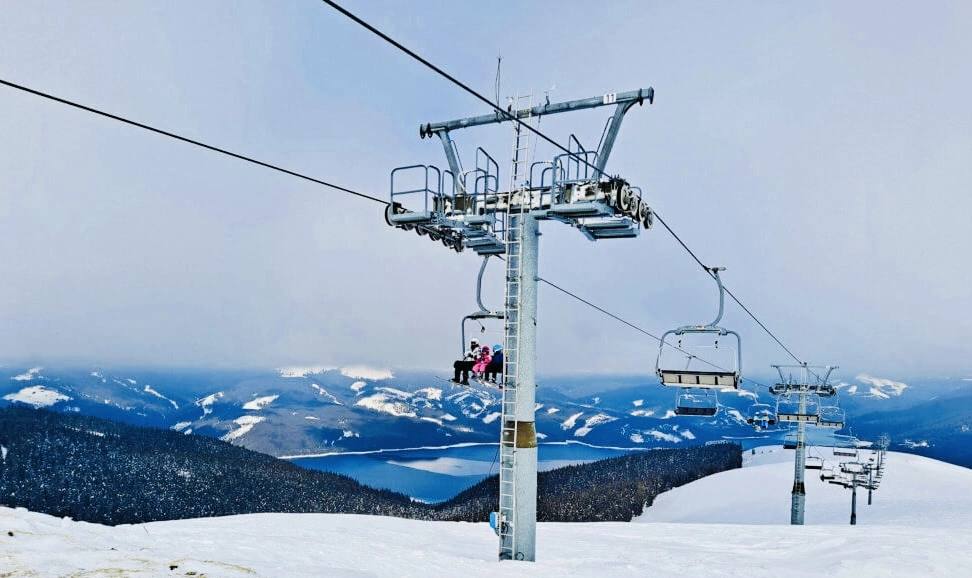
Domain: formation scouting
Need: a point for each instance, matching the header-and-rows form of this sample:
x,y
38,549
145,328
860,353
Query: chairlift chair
x,y
853,468
693,375
788,409
831,416
813,463
697,402
845,452
761,416
846,448
790,441
479,316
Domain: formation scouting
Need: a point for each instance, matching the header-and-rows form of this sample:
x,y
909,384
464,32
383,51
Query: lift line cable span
x,y
513,118
189,140
319,182
632,325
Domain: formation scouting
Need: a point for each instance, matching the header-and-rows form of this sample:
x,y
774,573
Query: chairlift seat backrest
x,y
704,379
702,403
697,411
797,417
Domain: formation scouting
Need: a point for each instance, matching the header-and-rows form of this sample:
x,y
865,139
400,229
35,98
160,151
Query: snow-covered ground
x,y
730,524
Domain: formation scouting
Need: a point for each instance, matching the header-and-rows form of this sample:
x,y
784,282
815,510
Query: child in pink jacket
x,y
479,368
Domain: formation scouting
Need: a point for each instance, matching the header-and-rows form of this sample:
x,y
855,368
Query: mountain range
x,y
315,410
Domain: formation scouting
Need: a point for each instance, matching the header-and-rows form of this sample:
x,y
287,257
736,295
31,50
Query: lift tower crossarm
x,y
623,101
621,98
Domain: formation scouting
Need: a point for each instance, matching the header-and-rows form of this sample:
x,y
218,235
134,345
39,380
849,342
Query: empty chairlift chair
x,y
845,450
678,365
789,409
697,402
831,416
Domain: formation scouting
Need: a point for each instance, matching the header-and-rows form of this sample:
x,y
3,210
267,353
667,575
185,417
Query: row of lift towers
x,y
465,209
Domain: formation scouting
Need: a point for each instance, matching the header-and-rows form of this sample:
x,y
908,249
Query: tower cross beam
x,y
627,99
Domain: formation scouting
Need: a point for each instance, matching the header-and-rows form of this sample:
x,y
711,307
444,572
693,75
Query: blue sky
x,y
820,152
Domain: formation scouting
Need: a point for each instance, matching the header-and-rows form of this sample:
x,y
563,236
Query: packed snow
x,y
570,422
660,435
246,423
731,524
37,396
591,422
148,389
260,402
207,402
324,393
299,372
29,375
387,402
363,372
881,387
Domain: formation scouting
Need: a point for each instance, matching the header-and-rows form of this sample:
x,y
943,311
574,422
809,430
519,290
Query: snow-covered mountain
x,y
729,524
310,410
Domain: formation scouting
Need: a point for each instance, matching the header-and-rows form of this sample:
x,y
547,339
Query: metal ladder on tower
x,y
519,203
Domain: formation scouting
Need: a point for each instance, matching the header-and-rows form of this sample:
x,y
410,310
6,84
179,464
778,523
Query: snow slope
x,y
725,525
915,491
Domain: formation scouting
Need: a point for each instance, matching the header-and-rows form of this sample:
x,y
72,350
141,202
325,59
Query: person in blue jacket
x,y
495,366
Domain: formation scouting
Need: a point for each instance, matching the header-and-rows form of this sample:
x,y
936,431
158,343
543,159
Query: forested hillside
x,y
107,472
615,489
102,471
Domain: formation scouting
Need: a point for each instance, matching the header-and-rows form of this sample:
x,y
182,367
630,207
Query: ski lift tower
x,y
464,209
788,387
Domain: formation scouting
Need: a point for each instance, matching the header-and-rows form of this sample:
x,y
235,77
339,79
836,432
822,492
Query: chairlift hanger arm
x,y
604,151
451,157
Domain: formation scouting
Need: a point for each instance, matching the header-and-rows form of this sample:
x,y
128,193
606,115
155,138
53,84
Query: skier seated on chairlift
x,y
467,362
485,357
495,366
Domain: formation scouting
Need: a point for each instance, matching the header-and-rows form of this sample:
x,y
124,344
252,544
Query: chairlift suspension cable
x,y
190,141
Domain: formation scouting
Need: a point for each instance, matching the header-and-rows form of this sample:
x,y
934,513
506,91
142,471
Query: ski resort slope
x,y
915,492
730,524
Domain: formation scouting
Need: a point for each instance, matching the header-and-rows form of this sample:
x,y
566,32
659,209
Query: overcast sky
x,y
818,151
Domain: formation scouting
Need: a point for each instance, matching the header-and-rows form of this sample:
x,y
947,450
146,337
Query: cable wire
x,y
635,327
189,140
